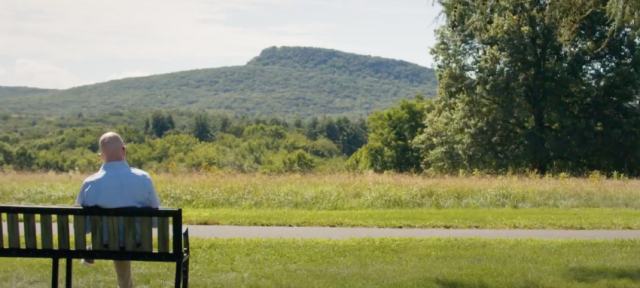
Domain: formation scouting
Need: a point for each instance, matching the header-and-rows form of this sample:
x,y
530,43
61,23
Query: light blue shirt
x,y
116,185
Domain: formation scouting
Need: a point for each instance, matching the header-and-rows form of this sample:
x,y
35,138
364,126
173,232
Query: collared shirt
x,y
116,185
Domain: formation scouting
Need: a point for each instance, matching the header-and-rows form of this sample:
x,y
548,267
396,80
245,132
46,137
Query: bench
x,y
137,224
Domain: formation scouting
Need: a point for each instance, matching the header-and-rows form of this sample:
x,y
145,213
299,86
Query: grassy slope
x,y
432,262
370,200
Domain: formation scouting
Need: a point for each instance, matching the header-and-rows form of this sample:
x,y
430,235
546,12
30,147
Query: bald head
x,y
111,147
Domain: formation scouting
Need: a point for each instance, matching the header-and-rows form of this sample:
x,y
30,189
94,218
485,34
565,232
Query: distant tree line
x,y
203,142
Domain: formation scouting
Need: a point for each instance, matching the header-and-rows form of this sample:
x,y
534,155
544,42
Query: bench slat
x,y
146,234
46,231
163,234
13,230
96,233
1,233
79,232
112,229
63,232
29,222
130,233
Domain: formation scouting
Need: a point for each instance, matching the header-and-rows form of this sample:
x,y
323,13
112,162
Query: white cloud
x,y
128,74
303,28
34,73
129,29
101,40
3,72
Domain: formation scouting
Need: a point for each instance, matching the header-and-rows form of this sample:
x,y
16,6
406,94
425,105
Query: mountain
x,y
13,92
282,81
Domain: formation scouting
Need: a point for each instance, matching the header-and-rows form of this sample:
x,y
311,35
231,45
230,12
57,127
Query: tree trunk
x,y
538,143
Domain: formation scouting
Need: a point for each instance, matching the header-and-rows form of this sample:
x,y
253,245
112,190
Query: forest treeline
x,y
193,141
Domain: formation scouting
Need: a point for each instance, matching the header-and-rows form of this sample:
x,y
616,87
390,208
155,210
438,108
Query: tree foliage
x,y
390,139
514,94
211,142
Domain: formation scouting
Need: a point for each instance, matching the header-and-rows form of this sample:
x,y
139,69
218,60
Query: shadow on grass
x,y
592,274
446,283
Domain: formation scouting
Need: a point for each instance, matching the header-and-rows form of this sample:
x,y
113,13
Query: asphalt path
x,y
209,231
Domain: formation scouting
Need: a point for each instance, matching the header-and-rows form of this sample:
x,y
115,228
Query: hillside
x,y
280,81
11,92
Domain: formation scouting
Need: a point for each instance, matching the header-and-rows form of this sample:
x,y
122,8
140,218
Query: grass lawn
x,y
386,262
543,218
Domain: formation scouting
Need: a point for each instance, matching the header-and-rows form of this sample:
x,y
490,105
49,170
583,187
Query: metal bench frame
x,y
179,253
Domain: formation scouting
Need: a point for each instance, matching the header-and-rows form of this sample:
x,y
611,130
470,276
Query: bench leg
x,y
69,271
178,273
185,274
54,274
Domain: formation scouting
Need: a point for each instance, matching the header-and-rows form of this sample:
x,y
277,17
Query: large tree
x,y
390,137
516,94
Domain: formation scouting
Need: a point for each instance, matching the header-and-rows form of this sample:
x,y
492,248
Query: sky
x,y
68,43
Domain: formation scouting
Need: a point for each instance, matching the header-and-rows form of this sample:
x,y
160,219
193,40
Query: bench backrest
x,y
95,217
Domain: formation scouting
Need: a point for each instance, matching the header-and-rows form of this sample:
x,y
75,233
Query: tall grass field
x,y
369,200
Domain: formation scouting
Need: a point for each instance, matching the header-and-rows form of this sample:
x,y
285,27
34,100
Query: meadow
x,y
369,200
382,262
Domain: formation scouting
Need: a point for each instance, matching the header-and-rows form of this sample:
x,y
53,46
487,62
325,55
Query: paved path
x,y
204,231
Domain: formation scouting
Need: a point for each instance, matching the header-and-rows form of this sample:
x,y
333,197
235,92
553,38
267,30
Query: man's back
x,y
117,185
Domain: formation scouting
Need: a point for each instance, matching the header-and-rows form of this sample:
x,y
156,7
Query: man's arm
x,y
153,202
80,198
80,202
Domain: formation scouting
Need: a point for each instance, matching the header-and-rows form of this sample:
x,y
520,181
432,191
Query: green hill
x,y
281,81
17,92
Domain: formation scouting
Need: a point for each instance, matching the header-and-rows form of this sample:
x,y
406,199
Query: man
x,y
117,185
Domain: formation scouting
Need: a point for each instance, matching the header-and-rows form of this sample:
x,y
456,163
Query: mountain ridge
x,y
280,81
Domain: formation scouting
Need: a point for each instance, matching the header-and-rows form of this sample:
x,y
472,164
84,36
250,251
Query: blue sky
x,y
68,43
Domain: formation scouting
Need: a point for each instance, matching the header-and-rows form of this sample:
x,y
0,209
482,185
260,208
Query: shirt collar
x,y
114,165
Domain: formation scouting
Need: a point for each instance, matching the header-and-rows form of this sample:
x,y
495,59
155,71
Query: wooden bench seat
x,y
136,221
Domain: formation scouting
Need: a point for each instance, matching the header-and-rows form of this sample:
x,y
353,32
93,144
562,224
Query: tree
x,y
298,161
6,154
24,159
297,123
515,94
351,136
146,126
311,129
328,129
225,123
130,134
161,123
202,128
390,139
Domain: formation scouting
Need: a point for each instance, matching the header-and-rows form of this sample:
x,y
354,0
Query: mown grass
x,y
537,218
381,262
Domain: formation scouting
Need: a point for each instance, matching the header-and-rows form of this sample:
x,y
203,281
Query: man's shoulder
x,y
139,172
94,177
